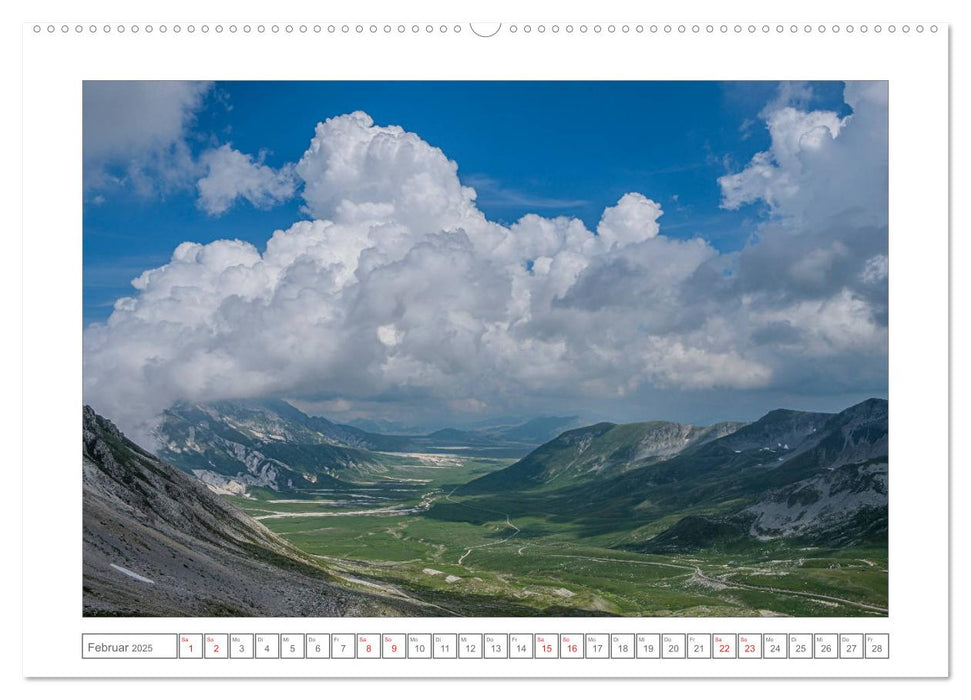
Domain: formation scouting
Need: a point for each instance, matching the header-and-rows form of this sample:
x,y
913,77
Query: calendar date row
x,y
486,646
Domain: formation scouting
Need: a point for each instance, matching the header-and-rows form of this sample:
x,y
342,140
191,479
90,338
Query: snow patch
x,y
129,572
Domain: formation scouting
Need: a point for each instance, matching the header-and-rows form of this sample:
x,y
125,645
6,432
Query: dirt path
x,y
725,581
516,530
340,514
729,583
427,501
623,561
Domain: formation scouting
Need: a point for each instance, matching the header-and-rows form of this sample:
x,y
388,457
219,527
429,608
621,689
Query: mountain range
x,y
161,539
818,476
233,445
157,542
788,474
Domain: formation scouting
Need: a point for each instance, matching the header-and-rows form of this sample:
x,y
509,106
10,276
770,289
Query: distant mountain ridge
x,y
788,474
234,445
535,431
597,451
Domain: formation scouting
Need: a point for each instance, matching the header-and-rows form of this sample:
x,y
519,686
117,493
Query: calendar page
x,y
537,347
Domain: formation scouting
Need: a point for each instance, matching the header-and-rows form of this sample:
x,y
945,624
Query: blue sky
x,y
553,148
314,242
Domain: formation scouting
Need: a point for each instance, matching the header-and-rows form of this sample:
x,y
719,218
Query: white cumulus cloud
x,y
633,219
231,175
400,289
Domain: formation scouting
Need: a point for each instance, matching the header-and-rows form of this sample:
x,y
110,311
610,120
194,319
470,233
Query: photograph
x,y
495,349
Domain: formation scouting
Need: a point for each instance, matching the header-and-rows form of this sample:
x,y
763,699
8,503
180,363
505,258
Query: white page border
x,y
915,64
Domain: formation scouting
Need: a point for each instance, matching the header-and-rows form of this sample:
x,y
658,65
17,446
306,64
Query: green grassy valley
x,y
412,534
786,515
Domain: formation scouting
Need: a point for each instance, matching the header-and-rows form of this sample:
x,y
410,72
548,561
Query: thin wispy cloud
x,y
492,192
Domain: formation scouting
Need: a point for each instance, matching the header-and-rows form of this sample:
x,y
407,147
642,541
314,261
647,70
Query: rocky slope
x,y
821,502
266,443
157,542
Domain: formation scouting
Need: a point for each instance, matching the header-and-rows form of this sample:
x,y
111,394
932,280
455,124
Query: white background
x,y
918,251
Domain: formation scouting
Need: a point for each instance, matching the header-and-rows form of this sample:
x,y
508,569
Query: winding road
x,y
516,530
725,581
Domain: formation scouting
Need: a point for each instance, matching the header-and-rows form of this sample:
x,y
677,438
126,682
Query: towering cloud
x,y
398,286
